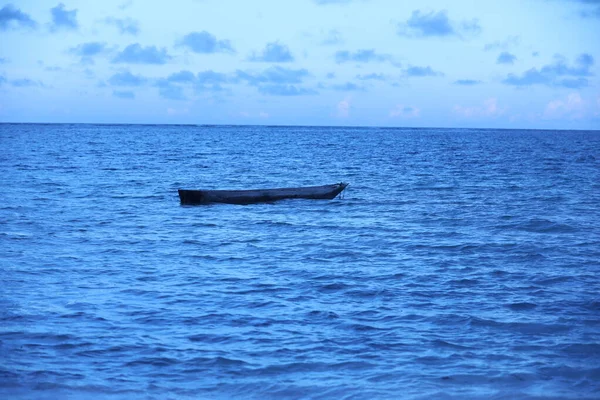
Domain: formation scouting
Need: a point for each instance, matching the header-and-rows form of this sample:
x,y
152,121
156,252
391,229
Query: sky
x,y
515,64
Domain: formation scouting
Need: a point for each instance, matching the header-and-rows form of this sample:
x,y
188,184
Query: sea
x,y
457,264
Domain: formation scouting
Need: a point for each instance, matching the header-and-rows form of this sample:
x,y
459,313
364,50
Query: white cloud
x,y
573,107
246,114
343,108
176,111
489,109
402,111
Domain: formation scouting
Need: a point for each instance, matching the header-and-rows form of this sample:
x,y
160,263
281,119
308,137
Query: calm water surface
x,y
459,264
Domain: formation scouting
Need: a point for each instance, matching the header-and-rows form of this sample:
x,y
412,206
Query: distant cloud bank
x,y
558,73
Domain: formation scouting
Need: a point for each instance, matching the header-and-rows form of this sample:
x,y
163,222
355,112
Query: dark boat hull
x,y
196,197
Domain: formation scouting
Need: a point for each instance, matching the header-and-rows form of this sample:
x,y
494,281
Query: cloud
x,y
326,2
90,75
573,107
431,24
124,25
12,18
361,56
592,9
25,82
529,77
592,2
172,92
205,43
206,81
273,52
276,74
436,24
585,60
126,78
172,87
175,111
489,109
558,73
246,114
88,49
123,94
212,77
372,77
284,90
182,77
593,13
506,58
421,71
214,88
573,83
273,81
276,81
63,18
402,111
136,54
348,87
467,82
332,37
503,44
125,4
343,108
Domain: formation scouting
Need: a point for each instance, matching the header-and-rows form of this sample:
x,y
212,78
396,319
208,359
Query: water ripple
x,y
459,264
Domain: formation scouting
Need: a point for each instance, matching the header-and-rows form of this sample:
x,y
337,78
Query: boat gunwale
x,y
251,196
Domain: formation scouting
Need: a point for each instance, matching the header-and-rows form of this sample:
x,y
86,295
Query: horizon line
x,y
294,126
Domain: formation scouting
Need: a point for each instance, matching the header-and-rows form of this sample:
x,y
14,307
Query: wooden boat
x,y
194,197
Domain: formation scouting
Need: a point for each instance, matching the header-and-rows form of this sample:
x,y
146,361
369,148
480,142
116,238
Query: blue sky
x,y
454,63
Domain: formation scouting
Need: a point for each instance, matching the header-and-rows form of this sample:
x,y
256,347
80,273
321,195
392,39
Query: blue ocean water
x,y
458,264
